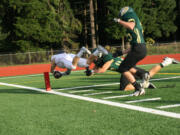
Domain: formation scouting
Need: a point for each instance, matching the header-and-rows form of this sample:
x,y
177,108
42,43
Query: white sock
x,y
80,53
96,53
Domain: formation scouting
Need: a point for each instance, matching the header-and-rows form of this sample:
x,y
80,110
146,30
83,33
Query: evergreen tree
x,y
37,24
159,18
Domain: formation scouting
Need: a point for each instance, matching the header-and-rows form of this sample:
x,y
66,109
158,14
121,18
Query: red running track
x,y
41,68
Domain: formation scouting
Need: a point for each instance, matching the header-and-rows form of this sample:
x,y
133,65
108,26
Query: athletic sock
x,y
80,53
161,65
136,85
140,73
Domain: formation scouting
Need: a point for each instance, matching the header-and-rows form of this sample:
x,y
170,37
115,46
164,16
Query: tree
x,y
159,18
92,22
37,24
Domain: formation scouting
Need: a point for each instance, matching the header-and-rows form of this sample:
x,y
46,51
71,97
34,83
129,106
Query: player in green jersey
x,y
108,62
129,19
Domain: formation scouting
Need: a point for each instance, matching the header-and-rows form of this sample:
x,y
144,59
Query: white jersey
x,y
64,60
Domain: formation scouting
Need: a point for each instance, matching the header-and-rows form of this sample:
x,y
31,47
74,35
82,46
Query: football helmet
x,y
57,74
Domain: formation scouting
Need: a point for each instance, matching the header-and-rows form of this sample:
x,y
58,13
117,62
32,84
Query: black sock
x,y
136,85
140,73
161,65
68,72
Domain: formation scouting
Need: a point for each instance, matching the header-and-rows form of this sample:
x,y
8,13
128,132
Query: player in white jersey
x,y
69,61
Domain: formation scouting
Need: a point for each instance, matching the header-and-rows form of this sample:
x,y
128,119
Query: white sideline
x,y
121,105
168,106
142,100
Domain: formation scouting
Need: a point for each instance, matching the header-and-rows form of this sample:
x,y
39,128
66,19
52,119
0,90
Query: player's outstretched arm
x,y
53,66
104,67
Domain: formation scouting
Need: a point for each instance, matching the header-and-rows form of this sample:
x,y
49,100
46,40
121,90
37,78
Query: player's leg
x,y
125,85
99,51
68,72
138,53
166,62
155,69
78,55
131,79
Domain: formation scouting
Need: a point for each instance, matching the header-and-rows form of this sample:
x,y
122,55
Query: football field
x,y
81,105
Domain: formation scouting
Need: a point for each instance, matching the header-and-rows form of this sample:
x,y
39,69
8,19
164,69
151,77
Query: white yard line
x,y
175,77
168,106
89,86
99,93
109,84
143,100
100,101
121,96
79,91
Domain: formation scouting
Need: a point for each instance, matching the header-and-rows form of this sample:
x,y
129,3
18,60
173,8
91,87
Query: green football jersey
x,y
135,36
116,61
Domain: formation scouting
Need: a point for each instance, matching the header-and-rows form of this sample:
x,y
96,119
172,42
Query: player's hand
x,y
117,20
89,72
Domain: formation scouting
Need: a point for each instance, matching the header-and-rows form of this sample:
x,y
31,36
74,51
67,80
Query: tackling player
x,y
129,19
108,62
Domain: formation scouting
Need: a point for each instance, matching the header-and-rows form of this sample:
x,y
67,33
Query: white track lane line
x,y
79,91
100,101
143,100
168,106
99,93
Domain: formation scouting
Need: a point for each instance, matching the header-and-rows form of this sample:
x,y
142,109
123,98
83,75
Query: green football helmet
x,y
125,10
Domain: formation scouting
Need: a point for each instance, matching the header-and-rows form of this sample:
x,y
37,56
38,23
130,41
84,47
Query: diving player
x,y
69,61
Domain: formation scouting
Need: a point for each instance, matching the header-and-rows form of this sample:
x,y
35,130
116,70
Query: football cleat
x,y
167,61
57,74
148,85
145,80
85,50
151,86
139,92
102,49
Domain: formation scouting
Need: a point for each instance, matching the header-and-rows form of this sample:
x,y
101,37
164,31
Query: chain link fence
x,y
26,58
45,56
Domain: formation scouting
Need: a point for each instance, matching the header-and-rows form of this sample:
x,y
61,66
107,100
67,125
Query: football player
x,y
69,61
129,20
108,62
